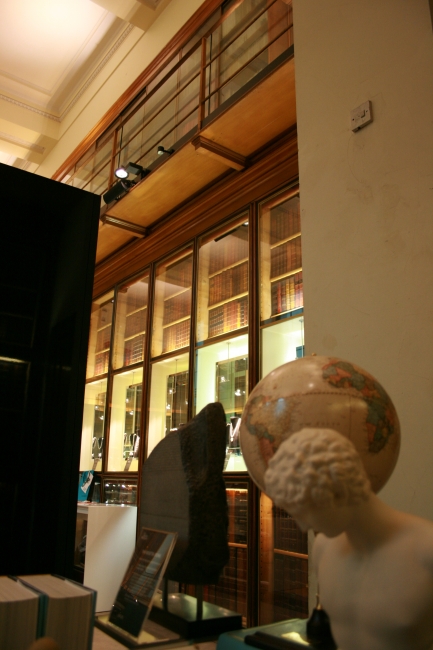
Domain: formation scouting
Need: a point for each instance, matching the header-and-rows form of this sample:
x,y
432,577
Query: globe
x,y
321,392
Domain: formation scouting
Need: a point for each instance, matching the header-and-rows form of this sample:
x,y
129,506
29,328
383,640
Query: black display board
x,y
48,236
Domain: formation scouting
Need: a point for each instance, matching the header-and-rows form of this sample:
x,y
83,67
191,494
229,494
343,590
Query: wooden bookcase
x,y
223,309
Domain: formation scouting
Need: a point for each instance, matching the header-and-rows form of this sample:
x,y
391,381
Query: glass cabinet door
x,y
92,437
281,287
131,322
100,336
168,406
125,421
172,304
221,369
223,281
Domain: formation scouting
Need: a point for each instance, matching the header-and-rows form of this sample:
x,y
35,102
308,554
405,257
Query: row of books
x,y
286,258
287,534
103,338
176,336
285,220
177,307
36,606
228,317
287,294
137,295
178,275
228,283
133,351
229,250
101,363
135,323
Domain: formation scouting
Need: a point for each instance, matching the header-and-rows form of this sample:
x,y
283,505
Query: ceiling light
x,y
161,150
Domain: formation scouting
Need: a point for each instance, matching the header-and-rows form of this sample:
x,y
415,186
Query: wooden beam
x,y
217,151
137,231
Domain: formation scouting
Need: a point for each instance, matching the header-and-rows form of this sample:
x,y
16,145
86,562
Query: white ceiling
x,y
48,50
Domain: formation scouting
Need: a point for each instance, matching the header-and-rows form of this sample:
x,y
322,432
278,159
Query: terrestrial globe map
x,y
321,392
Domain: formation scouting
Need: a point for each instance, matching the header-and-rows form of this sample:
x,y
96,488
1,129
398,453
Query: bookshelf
x,y
172,304
100,336
223,280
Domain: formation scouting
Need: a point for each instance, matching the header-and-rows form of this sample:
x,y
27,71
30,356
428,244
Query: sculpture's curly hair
x,y
318,467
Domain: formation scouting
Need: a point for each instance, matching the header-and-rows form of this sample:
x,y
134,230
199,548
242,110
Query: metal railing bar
x,y
161,109
248,62
170,131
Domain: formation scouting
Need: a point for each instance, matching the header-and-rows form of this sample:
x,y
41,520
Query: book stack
x,y
133,351
228,317
45,605
228,283
176,336
287,294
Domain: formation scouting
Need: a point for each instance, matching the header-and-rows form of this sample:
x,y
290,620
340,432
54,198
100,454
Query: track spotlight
x,y
131,168
161,150
118,190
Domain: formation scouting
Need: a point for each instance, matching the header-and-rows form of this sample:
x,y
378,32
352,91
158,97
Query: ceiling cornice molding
x,y
97,70
21,143
28,107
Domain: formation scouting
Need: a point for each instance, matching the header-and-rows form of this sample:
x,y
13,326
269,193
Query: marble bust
x,y
374,563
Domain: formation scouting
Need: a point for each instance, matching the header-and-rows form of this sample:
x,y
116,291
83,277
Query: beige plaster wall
x,y
135,53
367,208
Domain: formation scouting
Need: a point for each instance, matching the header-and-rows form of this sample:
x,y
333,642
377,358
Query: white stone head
x,y
316,469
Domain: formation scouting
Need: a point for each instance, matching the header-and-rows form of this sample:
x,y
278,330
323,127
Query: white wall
x,y
367,208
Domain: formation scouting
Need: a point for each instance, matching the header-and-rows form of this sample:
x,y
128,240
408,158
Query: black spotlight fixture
x,y
161,150
131,169
117,190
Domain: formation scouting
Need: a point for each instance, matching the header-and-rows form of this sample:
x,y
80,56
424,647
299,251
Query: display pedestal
x,y
192,618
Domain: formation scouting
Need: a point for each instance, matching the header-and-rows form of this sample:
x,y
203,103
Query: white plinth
x,y
111,535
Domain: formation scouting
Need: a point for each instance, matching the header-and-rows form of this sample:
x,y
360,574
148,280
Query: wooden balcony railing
x,y
175,104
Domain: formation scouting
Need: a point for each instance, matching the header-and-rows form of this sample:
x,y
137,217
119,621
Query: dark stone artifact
x,y
183,491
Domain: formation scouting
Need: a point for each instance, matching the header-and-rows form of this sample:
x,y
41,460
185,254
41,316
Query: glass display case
x,y
120,491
